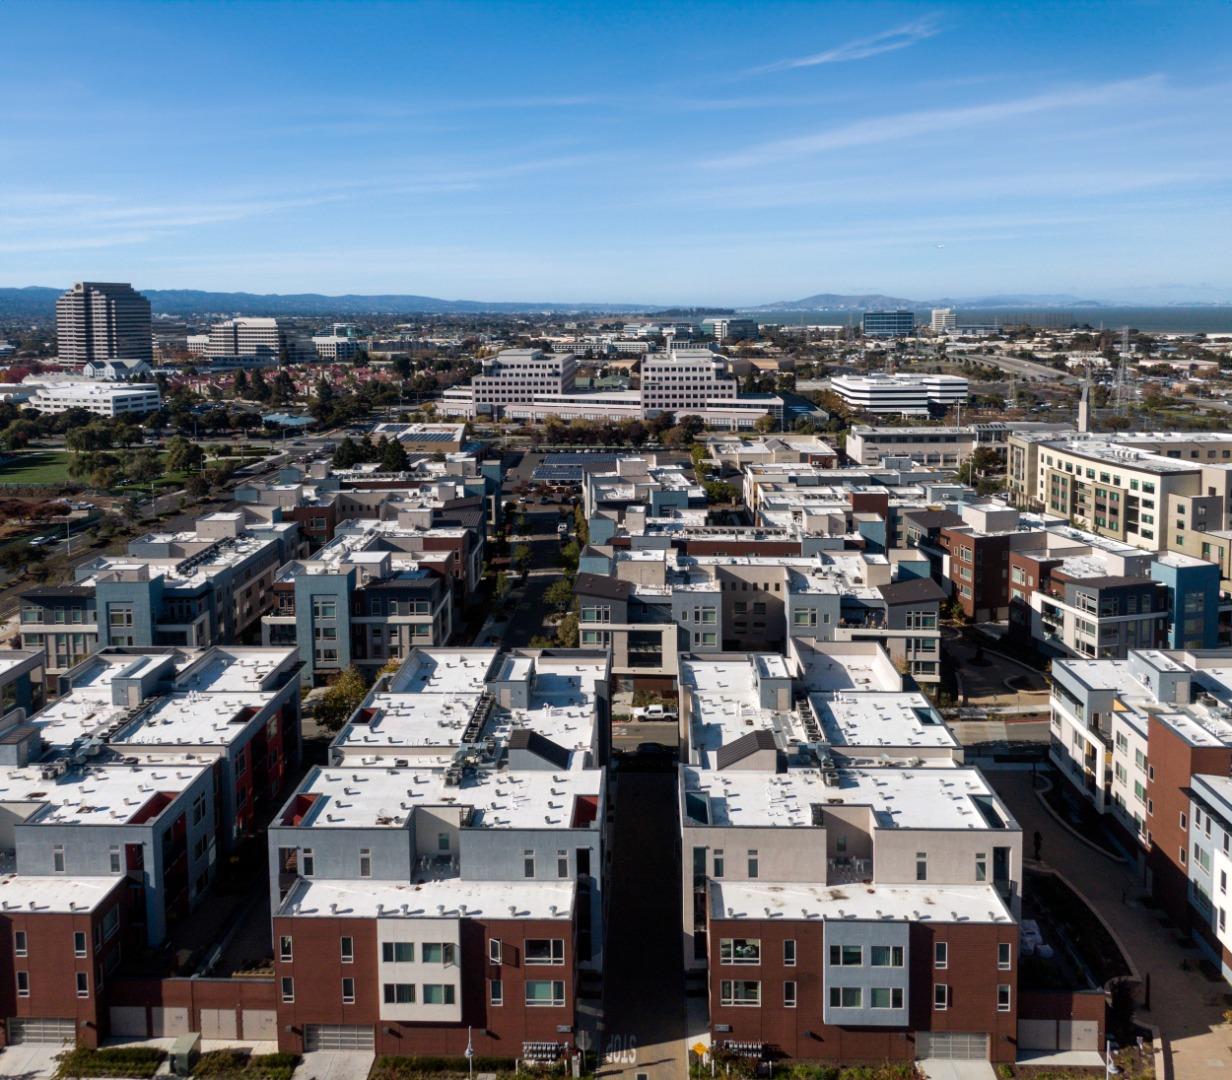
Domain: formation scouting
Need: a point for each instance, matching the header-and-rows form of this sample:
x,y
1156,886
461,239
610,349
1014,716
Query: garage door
x,y
261,1024
166,1022
337,1037
955,1045
129,1020
218,1024
1078,1035
34,1029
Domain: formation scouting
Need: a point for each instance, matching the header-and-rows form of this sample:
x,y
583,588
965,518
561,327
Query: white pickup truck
x,y
655,712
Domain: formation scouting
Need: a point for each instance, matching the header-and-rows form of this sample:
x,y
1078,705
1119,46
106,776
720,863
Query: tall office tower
x,y
944,319
98,320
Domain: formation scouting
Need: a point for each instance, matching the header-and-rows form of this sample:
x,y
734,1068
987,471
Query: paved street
x,y
644,1000
1186,1006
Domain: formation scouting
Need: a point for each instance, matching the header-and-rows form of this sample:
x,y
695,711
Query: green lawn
x,y
36,467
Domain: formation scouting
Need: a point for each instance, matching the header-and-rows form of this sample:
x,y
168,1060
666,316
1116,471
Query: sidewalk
x,y
1187,1007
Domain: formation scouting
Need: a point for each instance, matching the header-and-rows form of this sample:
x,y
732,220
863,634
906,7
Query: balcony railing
x,y
848,869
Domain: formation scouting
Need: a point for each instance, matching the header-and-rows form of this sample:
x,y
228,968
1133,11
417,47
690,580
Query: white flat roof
x,y
444,671
95,795
880,719
193,719
900,798
364,797
450,898
54,894
884,903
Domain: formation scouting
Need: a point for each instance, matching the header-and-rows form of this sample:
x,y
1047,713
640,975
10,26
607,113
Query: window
x,y
284,948
752,863
365,862
287,985
348,991
528,864
436,952
19,943
941,997
23,984
324,607
438,994
1003,956
789,995
921,866
399,993
846,955
886,956
941,954
398,952
79,943
545,992
1184,822
739,992
545,951
789,953
496,992
115,860
1003,998
308,862
348,950
846,997
562,864
981,867
740,951
442,841
494,950
885,997
57,859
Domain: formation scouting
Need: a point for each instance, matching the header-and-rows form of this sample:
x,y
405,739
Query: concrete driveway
x,y
335,1065
29,1061
945,1069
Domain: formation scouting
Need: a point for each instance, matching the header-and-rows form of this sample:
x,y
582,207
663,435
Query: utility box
x,y
184,1053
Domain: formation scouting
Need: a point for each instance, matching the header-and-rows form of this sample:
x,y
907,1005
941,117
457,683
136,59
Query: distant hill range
x,y
36,300
879,302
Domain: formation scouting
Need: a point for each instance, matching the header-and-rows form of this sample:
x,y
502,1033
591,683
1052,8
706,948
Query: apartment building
x,y
650,605
454,896
274,339
106,398
198,588
116,370
851,889
150,765
737,453
1159,491
98,320
377,590
906,395
638,488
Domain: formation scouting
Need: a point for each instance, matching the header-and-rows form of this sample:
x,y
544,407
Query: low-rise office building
x,y
906,395
107,398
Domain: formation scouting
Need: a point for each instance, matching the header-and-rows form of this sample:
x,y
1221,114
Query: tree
x,y
521,559
240,383
344,695
323,403
502,585
260,388
393,457
347,455
559,594
765,424
143,467
567,631
184,456
197,486
719,491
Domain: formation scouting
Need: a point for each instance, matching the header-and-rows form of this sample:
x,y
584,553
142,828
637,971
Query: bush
x,y
396,1068
238,1065
118,1061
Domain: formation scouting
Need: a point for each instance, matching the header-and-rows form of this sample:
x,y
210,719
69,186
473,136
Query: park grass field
x,y
35,467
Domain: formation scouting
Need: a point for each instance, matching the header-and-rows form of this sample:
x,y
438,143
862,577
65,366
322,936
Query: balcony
x,y
848,870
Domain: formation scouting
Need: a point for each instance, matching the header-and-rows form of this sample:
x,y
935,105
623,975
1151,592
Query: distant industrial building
x,y
97,320
724,330
889,323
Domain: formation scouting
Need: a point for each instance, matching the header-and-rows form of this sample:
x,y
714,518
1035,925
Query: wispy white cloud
x,y
899,37
900,126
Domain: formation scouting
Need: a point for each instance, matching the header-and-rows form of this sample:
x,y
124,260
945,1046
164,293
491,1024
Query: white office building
x,y
100,398
682,381
908,395
944,320
258,337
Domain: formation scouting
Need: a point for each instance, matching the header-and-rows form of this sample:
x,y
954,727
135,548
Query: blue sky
x,y
643,152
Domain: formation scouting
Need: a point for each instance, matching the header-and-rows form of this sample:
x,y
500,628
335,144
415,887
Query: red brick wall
x,y
1173,761
497,1030
972,975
